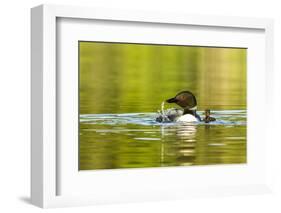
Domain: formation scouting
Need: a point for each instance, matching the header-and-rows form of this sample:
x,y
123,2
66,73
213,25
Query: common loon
x,y
187,101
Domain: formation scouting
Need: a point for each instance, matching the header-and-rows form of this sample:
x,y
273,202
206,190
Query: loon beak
x,y
171,100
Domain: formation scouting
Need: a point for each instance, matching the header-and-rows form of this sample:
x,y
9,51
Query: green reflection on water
x,y
150,147
125,78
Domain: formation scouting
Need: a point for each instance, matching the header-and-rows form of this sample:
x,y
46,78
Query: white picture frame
x,y
45,152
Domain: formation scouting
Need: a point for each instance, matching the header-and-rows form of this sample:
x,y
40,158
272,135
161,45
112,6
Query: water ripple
x,y
223,117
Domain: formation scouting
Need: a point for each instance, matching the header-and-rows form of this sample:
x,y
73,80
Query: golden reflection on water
x,y
137,145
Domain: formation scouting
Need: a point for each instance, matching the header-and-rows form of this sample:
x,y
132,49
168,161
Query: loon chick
x,y
187,101
208,118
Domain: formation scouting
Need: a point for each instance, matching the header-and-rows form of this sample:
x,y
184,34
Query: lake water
x,y
135,140
123,85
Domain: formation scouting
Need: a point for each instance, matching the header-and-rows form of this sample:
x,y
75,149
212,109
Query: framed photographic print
x,y
130,105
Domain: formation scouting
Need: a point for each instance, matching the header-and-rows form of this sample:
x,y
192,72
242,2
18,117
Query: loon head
x,y
184,99
188,102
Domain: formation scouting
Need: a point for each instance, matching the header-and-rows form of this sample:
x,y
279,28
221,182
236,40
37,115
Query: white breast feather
x,y
187,118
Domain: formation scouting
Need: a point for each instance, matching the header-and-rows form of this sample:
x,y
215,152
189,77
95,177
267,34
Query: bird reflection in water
x,y
185,151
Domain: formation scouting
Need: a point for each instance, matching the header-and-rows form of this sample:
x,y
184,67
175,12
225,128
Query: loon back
x,y
169,115
178,115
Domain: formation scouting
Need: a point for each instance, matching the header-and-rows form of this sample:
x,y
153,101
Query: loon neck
x,y
189,111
